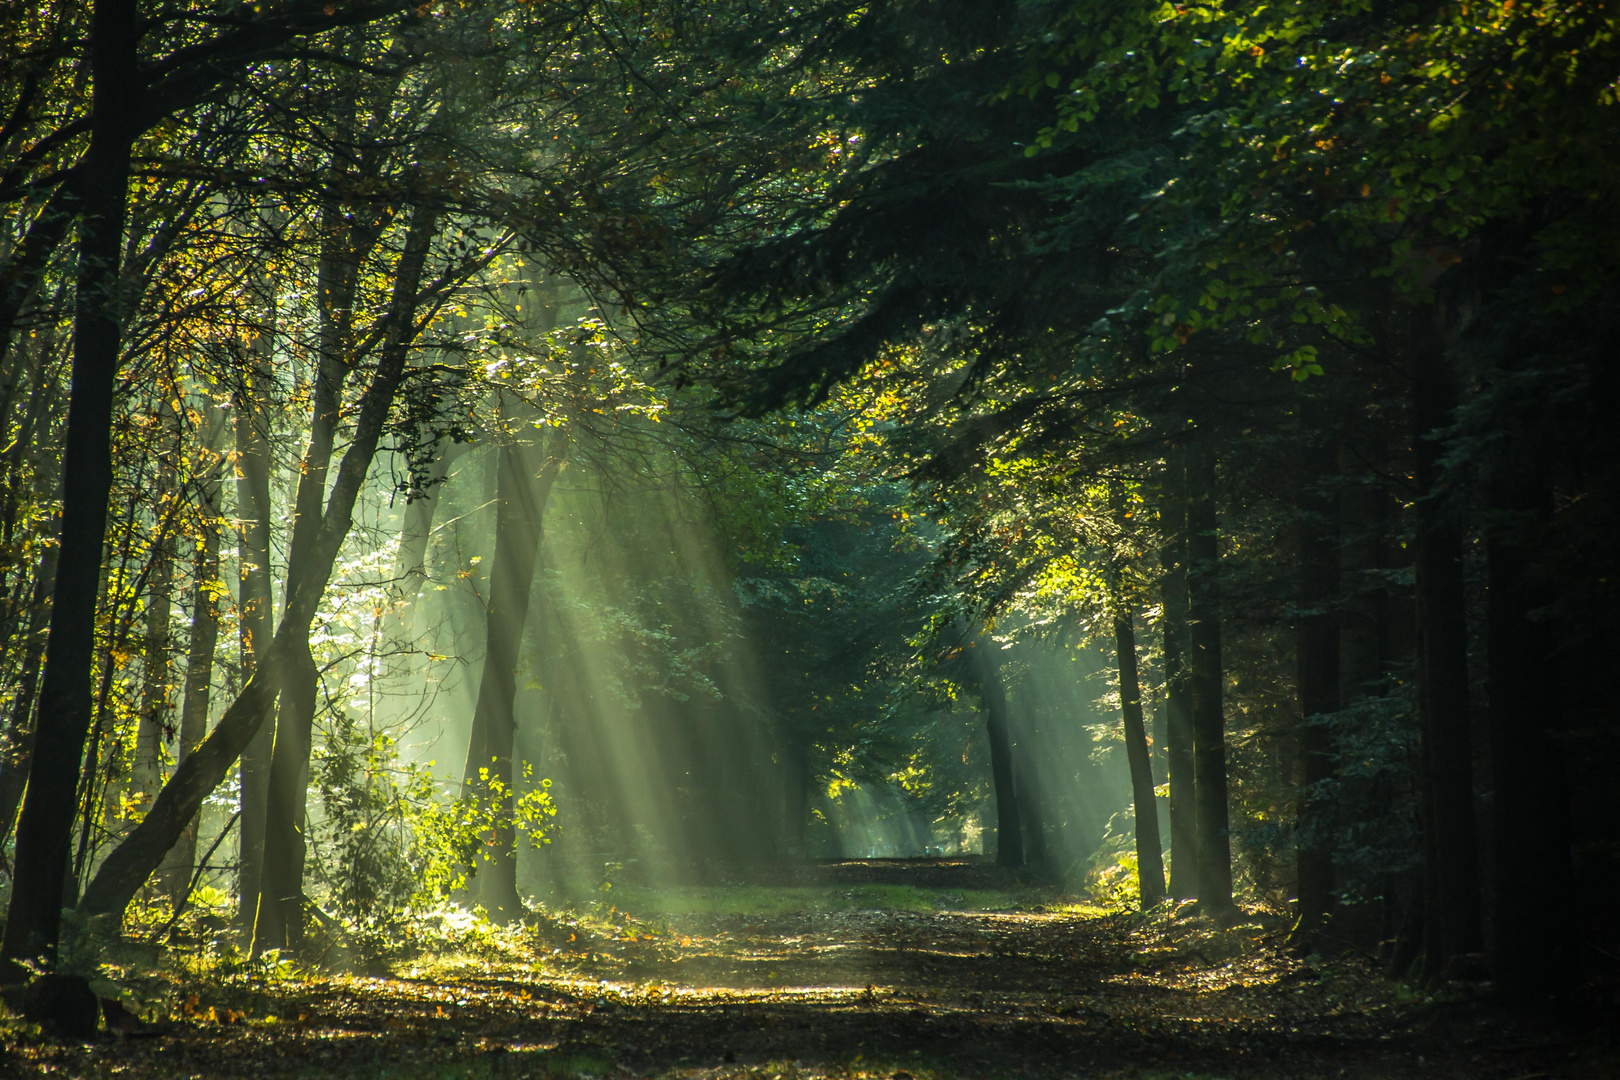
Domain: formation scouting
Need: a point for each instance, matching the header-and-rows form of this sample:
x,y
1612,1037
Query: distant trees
x,y
1268,345
1104,238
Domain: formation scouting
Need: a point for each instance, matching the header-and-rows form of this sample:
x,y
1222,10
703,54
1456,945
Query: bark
x,y
796,804
278,920
22,273
20,730
199,657
155,726
255,605
34,444
44,830
522,491
1149,860
1534,947
1178,707
1367,644
1363,628
1031,794
1205,673
410,565
1009,826
94,779
1452,922
1317,656
129,864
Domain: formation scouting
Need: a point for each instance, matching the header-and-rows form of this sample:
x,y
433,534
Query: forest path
x,y
884,972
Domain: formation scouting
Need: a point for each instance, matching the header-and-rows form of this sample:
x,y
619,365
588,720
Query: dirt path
x,y
852,992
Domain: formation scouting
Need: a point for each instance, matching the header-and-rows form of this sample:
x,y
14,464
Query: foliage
x,y
392,843
868,339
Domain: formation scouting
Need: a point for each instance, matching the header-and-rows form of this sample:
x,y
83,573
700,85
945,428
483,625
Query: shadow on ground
x,y
832,988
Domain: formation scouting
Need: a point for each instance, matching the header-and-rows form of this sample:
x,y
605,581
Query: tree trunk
x,y
410,565
1317,657
255,604
1009,827
44,830
1030,792
522,491
29,260
1178,705
1149,860
1363,628
1534,951
156,727
796,804
1205,673
129,864
1452,923
199,655
35,447
279,920
20,731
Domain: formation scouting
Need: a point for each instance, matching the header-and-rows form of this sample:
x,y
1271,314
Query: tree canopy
x,y
457,454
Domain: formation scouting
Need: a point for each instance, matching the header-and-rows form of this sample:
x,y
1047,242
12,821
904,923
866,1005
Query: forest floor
x,y
918,970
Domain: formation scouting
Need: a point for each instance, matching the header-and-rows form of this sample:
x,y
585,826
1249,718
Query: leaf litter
x,y
922,985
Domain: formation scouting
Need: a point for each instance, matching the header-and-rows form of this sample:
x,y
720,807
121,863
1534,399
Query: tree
x,y
34,917
125,102
1178,696
346,241
1318,659
134,860
1150,867
523,489
203,638
1233,189
1009,819
255,602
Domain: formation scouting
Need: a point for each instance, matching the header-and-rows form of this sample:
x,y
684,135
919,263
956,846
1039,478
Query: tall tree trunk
x,y
255,602
34,445
1534,947
199,652
1364,648
1009,826
20,730
26,266
1452,923
1205,673
1317,656
131,862
279,921
410,564
522,490
1149,860
1367,646
1178,703
95,778
1031,794
44,830
796,804
156,726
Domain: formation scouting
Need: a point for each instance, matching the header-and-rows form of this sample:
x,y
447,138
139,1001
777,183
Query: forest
x,y
809,539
